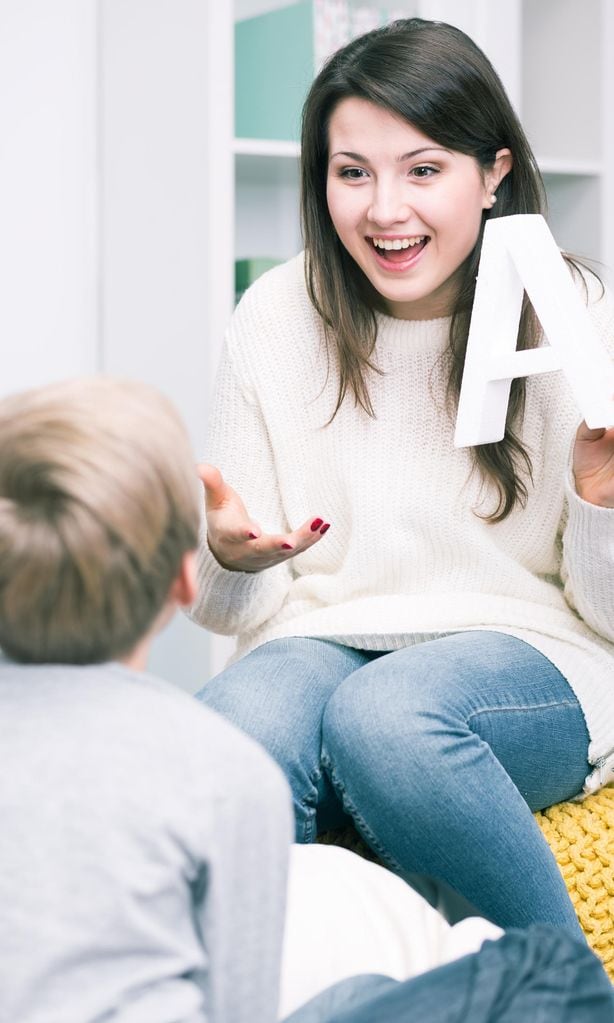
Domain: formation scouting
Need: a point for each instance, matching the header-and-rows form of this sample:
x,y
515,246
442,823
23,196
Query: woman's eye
x,y
423,171
352,173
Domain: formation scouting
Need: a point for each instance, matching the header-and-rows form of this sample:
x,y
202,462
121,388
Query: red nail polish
x,y
287,547
315,525
324,528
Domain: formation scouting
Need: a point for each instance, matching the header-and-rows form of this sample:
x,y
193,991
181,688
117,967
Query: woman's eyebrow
x,y
406,156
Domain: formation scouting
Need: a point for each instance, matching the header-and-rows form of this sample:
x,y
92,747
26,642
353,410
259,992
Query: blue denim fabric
x,y
355,993
439,752
533,976
278,694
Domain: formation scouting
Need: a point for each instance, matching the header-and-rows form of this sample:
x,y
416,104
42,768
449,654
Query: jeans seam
x,y
358,819
309,806
533,707
308,830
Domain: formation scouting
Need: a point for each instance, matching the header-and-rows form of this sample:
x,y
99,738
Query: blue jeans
x,y
438,752
537,975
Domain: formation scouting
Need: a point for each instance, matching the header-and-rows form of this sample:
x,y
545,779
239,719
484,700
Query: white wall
x,y
162,196
106,205
153,198
48,170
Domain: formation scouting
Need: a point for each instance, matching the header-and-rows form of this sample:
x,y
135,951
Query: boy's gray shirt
x,y
143,854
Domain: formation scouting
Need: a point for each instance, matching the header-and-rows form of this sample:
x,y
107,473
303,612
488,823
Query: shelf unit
x,y
555,59
566,95
533,44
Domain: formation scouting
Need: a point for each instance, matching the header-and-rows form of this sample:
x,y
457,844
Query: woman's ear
x,y
493,177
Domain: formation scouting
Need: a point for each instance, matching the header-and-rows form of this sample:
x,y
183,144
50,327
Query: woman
x,y
440,663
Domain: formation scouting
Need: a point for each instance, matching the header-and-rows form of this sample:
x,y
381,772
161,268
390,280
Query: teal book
x,y
274,67
278,53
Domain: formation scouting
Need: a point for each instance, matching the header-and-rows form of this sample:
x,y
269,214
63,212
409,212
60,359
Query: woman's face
x,y
407,209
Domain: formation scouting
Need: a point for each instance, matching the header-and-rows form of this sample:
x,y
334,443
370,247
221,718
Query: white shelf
x,y
266,147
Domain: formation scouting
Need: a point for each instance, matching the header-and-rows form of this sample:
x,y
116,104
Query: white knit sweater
x,y
405,557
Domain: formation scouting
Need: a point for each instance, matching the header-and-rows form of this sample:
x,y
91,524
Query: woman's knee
x,y
348,719
386,730
432,691
384,703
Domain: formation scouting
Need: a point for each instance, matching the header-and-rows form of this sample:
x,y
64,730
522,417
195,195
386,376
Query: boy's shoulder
x,y
84,685
124,713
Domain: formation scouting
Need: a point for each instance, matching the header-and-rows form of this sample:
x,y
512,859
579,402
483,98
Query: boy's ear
x,y
183,589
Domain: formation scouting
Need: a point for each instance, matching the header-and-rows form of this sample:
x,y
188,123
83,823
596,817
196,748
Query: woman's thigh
x,y
494,686
277,694
440,751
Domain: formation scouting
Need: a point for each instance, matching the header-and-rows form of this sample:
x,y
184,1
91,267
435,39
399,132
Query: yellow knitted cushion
x,y
581,836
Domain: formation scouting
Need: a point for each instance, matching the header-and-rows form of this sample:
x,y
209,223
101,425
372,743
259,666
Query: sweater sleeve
x,y
588,536
233,602
588,563
241,894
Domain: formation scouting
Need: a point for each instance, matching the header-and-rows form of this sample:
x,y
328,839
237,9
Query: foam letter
x,y
519,253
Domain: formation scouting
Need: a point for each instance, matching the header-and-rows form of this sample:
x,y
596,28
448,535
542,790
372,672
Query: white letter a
x,y
520,253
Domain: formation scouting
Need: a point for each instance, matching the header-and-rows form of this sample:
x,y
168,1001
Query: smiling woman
x,y
382,204
439,663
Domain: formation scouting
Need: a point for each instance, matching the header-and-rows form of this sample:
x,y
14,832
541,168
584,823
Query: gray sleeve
x,y
588,563
241,916
238,444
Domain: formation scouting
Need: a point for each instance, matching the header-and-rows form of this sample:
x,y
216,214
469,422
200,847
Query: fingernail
x,y
287,547
252,536
315,525
324,528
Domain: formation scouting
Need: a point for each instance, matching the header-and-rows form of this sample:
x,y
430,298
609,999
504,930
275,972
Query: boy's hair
x,y
99,501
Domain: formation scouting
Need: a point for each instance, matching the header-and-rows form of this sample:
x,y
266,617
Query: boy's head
x,y
99,503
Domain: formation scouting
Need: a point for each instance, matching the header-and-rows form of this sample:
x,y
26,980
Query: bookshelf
x,y
534,44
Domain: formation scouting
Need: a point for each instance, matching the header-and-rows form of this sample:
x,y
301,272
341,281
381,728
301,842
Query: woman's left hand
x,y
593,465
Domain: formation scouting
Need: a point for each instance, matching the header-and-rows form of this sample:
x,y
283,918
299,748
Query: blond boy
x,y
144,841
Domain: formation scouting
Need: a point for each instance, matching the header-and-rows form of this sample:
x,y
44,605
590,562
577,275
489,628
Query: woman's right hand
x,y
238,543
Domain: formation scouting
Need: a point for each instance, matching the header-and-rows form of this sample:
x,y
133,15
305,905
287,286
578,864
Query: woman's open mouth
x,y
399,253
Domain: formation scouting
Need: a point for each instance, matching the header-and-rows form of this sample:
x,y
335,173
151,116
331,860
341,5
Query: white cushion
x,y
347,916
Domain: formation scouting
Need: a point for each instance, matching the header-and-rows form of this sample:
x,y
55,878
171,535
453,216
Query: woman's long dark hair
x,y
434,77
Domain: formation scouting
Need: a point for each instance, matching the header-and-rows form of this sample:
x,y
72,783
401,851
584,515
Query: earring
x,y
493,199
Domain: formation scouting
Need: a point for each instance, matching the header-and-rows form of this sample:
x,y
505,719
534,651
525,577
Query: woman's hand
x,y
593,465
237,542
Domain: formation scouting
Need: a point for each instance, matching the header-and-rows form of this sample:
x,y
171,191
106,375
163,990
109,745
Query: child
x,y
144,842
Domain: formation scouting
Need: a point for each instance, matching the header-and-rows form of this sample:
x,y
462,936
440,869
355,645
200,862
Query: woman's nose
x,y
389,206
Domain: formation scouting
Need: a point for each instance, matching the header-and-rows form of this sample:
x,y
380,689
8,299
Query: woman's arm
x,y
231,602
588,562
